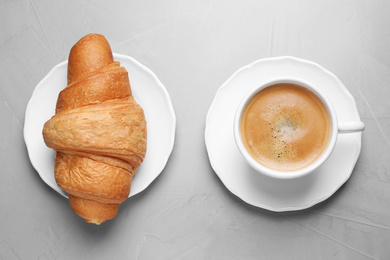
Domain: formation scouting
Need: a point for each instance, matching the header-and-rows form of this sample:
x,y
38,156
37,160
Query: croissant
x,y
98,132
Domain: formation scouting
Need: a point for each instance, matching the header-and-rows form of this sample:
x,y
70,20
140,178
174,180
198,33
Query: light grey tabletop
x,y
193,47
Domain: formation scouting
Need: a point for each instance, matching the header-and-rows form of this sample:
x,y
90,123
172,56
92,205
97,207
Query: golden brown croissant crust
x,y
98,131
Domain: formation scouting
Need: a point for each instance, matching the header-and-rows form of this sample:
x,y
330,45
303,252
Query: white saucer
x,y
148,91
255,188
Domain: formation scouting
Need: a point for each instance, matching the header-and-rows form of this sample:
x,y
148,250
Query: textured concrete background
x,y
193,47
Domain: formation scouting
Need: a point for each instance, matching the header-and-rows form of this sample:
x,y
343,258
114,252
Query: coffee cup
x,y
286,128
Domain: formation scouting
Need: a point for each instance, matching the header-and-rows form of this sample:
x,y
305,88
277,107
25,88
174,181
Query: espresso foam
x,y
285,127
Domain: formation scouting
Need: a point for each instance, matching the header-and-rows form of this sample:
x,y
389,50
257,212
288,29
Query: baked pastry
x,y
98,132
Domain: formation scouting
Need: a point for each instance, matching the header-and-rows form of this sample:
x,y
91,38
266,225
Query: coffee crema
x,y
285,127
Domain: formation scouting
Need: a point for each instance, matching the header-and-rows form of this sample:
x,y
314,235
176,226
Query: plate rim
x,y
237,193
33,97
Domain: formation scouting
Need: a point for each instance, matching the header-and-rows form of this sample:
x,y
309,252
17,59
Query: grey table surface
x,y
193,47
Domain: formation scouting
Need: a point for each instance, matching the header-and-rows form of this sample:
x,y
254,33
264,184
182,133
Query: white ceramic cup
x,y
336,128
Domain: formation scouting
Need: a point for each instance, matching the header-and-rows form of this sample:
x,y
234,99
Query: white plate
x,y
257,189
148,91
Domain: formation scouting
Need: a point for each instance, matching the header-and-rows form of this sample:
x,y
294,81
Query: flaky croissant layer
x,y
98,131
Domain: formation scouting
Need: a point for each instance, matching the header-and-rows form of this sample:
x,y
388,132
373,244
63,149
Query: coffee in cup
x,y
286,128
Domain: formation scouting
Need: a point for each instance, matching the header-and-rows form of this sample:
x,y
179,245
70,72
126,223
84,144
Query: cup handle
x,y
351,127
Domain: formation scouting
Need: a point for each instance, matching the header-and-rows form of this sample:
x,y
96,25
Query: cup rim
x,y
276,173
